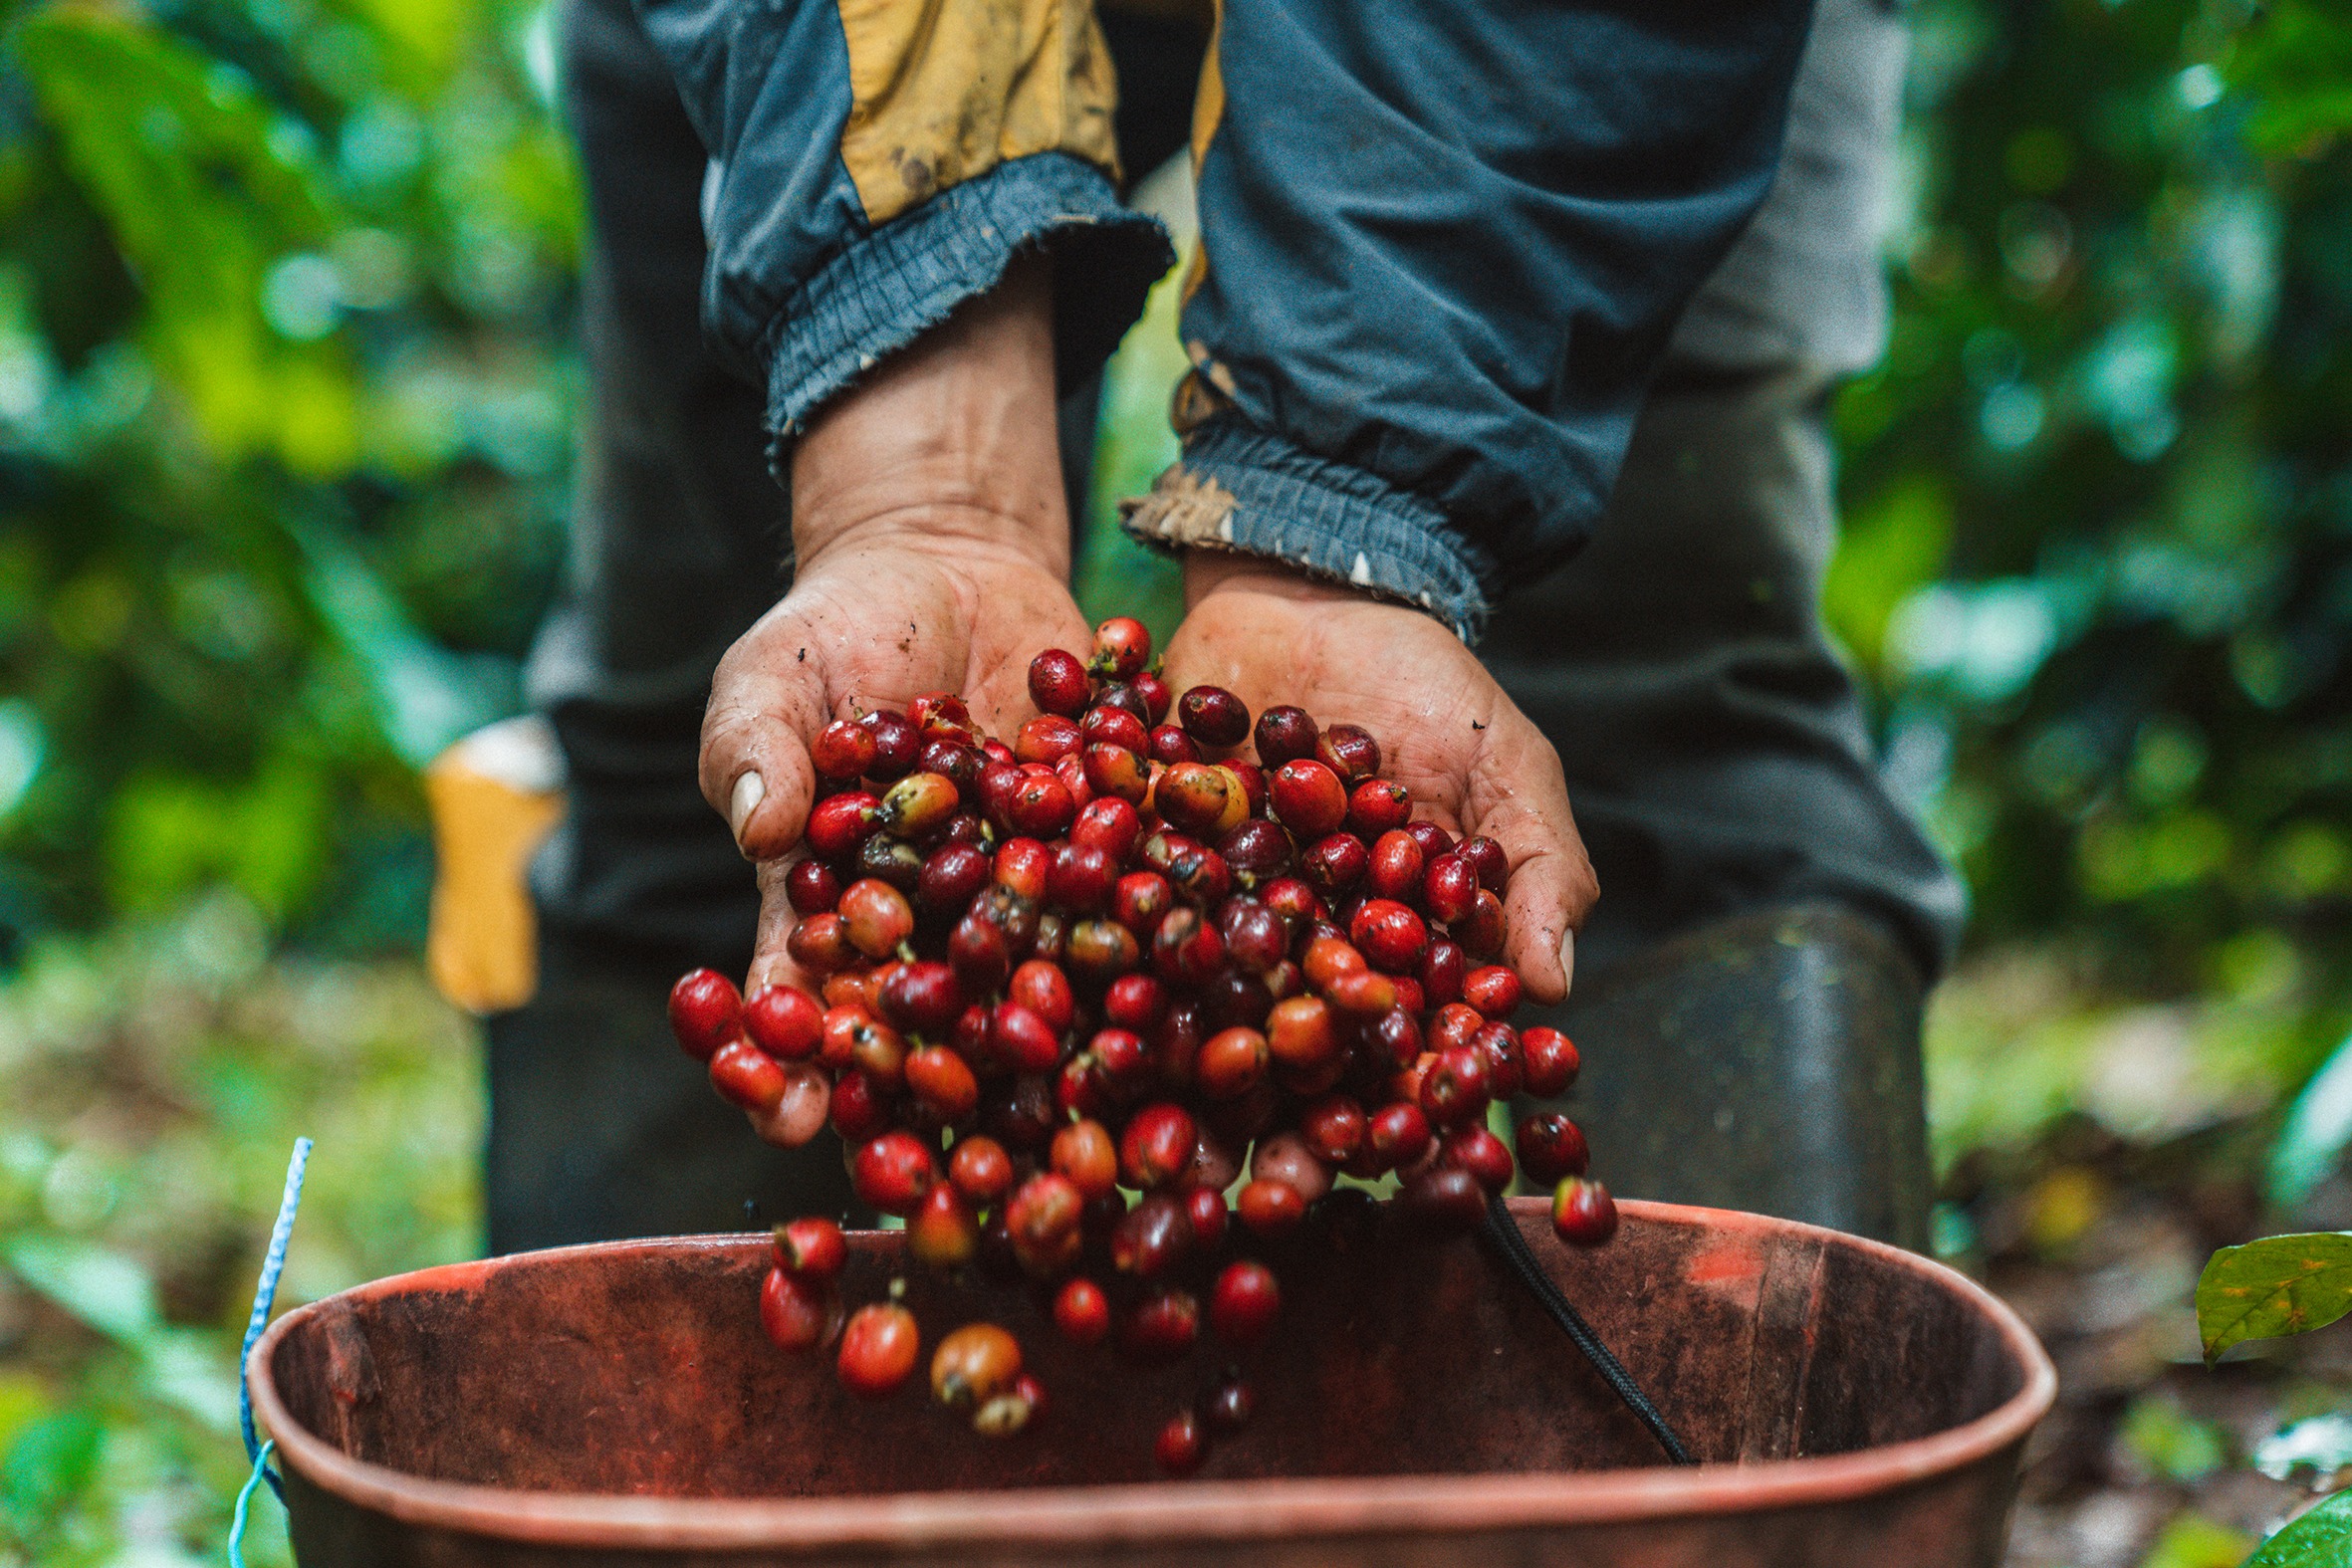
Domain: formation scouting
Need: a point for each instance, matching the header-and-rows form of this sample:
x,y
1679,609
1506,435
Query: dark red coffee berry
x,y
1181,1445
1547,1060
1058,683
1213,715
1245,1302
1550,1147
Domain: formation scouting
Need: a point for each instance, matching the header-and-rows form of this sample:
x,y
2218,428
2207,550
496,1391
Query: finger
x,y
767,703
1519,797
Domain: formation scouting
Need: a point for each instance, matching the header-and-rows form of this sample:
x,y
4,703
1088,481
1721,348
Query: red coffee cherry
x,y
1156,696
1082,1312
1162,1326
797,1312
1550,1147
1083,1153
839,823
1157,1146
1308,798
1285,733
893,1173
1058,683
1213,715
1349,750
1122,647
1549,1061
1582,1212
1243,1303
1482,1154
843,751
748,1076
879,1348
1493,990
812,887
1042,1217
1494,866
812,1249
1376,807
785,1021
1270,1208
943,1232
1181,1445
981,1169
706,1010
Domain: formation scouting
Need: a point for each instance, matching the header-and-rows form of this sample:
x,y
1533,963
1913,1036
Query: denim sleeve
x,y
1443,247
876,162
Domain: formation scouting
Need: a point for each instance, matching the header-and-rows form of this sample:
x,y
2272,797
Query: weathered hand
x,y
932,553
1446,732
879,618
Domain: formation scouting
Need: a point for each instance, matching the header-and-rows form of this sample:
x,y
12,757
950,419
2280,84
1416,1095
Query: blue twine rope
x,y
264,1295
261,1473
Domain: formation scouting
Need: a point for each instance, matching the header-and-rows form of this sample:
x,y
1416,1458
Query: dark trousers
x,y
1713,745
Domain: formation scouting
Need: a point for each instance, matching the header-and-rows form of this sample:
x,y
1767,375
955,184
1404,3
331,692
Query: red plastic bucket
x,y
618,1404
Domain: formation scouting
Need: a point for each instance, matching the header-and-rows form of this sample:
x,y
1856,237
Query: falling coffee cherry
x,y
879,1347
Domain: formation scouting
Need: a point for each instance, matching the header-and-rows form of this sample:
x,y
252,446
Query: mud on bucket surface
x,y
618,1404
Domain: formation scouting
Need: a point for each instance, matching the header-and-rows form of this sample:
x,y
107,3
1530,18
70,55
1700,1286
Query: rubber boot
x,y
1766,1061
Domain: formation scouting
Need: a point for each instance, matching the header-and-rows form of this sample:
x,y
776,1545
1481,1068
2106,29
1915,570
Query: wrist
x,y
950,444
1208,572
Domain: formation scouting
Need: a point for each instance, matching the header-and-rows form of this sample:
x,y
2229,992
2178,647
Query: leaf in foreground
x,y
2321,1538
2282,1284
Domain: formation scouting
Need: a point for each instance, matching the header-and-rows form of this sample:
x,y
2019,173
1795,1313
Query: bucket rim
x,y
1162,1512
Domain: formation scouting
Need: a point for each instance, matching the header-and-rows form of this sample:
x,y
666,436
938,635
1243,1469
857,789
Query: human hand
x,y
1448,733
932,553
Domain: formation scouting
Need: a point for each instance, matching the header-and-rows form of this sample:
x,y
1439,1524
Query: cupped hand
x,y
875,621
1448,733
932,553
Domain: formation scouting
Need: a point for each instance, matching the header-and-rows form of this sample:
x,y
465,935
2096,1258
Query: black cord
x,y
1503,1232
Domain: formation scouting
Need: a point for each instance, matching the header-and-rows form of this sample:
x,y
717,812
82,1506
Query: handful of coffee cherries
x,y
1078,989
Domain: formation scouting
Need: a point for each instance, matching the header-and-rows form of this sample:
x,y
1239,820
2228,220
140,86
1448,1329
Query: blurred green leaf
x,y
2321,1538
2318,1129
2297,65
2282,1284
1896,544
2171,1442
2192,1540
51,1460
105,1289
212,204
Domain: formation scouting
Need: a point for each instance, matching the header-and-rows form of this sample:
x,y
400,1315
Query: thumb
x,y
1520,799
767,703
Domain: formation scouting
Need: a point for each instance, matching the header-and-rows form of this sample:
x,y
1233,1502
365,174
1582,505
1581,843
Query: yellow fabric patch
x,y
482,939
1207,108
943,91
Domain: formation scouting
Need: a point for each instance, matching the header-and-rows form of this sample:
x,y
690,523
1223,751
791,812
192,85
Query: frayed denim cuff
x,y
906,277
1243,490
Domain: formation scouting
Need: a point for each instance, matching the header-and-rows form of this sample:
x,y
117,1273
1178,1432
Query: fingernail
x,y
1567,960
750,790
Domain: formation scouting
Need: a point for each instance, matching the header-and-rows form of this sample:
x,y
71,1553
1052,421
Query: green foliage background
x,y
286,400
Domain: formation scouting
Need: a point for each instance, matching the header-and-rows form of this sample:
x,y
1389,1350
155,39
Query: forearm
x,y
952,440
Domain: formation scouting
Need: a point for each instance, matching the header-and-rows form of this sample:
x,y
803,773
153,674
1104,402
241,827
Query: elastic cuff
x,y
1241,489
886,289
